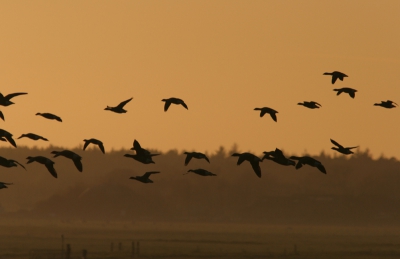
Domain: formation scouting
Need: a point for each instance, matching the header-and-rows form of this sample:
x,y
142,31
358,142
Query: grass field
x,y
28,239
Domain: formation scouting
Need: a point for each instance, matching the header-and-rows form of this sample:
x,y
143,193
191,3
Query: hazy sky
x,y
223,58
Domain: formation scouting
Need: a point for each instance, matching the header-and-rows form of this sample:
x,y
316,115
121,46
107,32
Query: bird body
x,y
71,155
387,104
201,172
45,161
278,157
174,101
347,90
145,159
197,155
119,108
265,110
253,160
335,75
311,104
306,160
144,178
95,142
33,136
341,149
5,100
49,116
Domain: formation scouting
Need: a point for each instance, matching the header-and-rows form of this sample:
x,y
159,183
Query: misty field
x,y
194,240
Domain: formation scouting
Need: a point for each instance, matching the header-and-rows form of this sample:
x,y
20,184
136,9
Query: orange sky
x,y
223,58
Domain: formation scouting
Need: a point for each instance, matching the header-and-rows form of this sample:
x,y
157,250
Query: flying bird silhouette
x,y
311,105
4,185
71,155
306,160
95,142
49,116
8,136
173,100
278,157
387,104
9,162
265,110
45,161
119,108
347,90
341,149
253,160
32,136
144,178
197,155
335,75
5,100
201,172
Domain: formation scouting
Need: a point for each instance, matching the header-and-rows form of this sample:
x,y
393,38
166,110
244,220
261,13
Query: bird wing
x,y
78,164
273,116
11,140
166,105
101,147
321,168
147,174
334,79
136,145
351,147
299,165
122,104
318,104
206,158
188,158
184,105
2,116
51,169
336,144
352,94
57,118
278,153
241,159
19,164
256,167
9,96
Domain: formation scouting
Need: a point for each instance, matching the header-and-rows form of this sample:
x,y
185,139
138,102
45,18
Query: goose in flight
x,y
49,116
387,104
253,160
4,185
33,136
201,172
138,149
265,110
8,136
174,101
335,75
278,157
45,161
311,105
9,162
119,108
144,178
347,90
5,100
306,160
198,155
71,155
344,150
95,142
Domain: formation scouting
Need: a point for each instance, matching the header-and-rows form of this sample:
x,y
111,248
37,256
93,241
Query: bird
x,y
95,142
71,155
341,149
278,157
198,155
253,160
387,104
306,160
9,162
8,136
138,149
265,110
335,75
5,100
347,90
33,136
4,185
45,161
144,178
174,101
145,159
49,116
311,105
201,172
119,108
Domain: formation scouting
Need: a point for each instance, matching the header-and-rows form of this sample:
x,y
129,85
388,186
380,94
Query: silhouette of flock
x,y
146,157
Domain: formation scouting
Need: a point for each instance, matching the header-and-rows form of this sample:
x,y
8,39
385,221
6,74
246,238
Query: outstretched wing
x,y
351,147
334,79
51,169
321,168
9,96
19,164
256,167
11,140
352,94
166,105
122,104
336,144
184,105
2,116
147,174
188,158
78,164
101,147
273,116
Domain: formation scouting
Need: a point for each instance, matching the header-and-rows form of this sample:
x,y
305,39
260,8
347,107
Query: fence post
x,y
68,252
